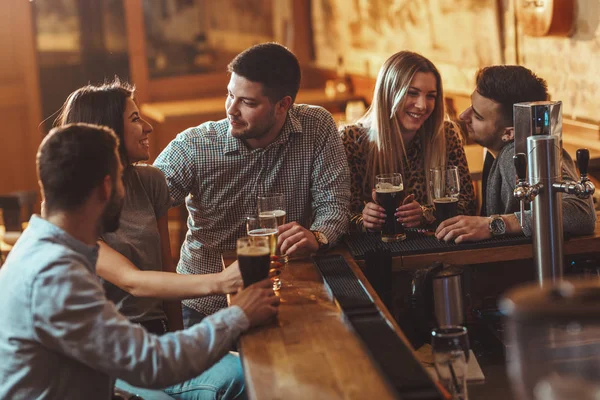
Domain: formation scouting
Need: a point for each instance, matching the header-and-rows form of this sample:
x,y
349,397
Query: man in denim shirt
x,y
61,338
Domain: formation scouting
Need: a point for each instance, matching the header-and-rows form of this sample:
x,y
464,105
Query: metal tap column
x,y
544,156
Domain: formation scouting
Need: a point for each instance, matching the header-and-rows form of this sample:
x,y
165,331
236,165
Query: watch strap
x,y
321,240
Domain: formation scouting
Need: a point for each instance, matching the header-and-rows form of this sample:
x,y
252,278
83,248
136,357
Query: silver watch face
x,y
497,226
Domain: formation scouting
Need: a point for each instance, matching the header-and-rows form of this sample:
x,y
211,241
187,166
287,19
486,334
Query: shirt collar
x,y
292,125
49,230
231,144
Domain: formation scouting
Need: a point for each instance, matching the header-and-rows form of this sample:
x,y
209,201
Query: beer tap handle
x,y
586,186
583,159
520,160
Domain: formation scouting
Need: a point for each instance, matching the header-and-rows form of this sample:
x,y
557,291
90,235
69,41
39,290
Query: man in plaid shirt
x,y
267,144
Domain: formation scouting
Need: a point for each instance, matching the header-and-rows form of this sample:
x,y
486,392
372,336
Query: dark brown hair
x,y
271,64
99,105
73,160
510,84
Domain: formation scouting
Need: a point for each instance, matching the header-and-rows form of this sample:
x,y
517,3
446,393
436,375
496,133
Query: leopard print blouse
x,y
356,144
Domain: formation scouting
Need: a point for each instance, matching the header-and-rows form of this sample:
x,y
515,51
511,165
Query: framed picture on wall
x,y
180,48
186,37
58,32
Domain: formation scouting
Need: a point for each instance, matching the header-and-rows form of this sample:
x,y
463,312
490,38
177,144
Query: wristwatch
x,y
497,225
321,240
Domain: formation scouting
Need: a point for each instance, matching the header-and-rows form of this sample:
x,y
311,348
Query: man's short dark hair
x,y
510,84
271,64
73,160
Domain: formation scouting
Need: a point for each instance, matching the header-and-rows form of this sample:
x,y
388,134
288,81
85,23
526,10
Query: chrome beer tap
x,y
538,133
524,192
584,188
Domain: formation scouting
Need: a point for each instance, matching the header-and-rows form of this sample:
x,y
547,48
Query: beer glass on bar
x,y
265,226
390,195
445,188
273,204
254,258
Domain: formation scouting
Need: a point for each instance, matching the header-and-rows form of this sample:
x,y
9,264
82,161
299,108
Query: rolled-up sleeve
x,y
177,162
330,186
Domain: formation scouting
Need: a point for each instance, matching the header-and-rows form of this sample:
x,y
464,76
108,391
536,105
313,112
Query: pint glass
x,y
389,195
273,204
265,226
254,259
445,188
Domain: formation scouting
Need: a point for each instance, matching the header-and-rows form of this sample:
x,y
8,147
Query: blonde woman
x,y
404,131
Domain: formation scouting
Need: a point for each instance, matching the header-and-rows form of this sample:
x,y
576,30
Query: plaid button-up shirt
x,y
219,178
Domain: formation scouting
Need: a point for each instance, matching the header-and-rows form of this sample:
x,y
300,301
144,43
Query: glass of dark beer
x,y
444,184
273,204
254,258
266,226
389,191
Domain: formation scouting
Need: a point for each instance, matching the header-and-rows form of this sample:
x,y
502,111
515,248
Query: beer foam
x,y
253,251
262,232
446,200
388,188
274,213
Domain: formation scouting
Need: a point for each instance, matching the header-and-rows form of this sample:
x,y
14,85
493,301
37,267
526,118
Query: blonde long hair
x,y
387,150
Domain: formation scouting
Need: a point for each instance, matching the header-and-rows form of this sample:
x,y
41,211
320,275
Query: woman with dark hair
x,y
135,261
404,131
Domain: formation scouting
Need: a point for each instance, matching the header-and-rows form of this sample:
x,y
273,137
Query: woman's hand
x,y
373,215
230,279
410,213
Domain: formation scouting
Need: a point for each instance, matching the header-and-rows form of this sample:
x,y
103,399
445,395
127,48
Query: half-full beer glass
x,y
444,184
273,204
390,195
265,226
254,258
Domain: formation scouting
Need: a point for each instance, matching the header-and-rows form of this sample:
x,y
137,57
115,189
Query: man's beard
x,y
257,132
109,221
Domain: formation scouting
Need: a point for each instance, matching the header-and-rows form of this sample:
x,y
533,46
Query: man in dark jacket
x,y
489,123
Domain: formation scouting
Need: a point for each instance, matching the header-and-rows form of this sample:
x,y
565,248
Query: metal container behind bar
x,y
448,297
536,118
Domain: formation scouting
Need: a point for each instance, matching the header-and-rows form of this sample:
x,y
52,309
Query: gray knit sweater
x,y
579,216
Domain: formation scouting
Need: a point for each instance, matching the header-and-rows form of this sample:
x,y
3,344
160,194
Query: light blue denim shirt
x,y
62,339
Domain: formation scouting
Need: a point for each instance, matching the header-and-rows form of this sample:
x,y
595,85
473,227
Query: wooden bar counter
x,y
310,352
572,246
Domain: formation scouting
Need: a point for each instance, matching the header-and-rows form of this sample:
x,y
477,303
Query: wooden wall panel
x,y
17,165
20,108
